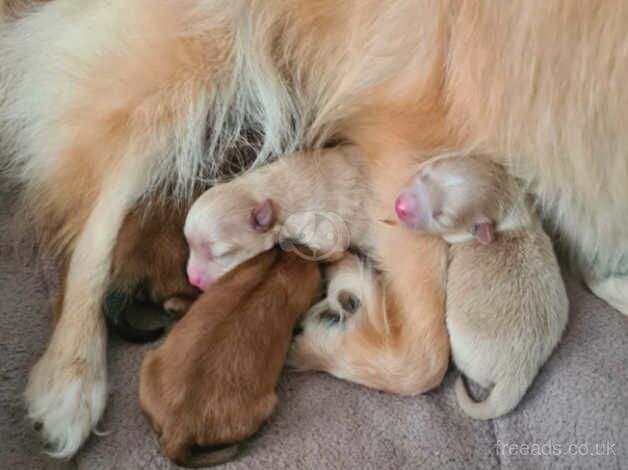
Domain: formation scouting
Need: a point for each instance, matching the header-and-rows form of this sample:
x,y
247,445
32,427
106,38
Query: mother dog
x,y
108,101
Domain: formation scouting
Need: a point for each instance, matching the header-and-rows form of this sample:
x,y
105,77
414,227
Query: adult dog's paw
x,y
65,400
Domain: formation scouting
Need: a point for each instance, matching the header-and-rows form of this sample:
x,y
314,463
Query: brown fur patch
x,y
213,380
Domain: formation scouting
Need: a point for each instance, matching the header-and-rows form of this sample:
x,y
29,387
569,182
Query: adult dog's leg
x,y
66,392
100,101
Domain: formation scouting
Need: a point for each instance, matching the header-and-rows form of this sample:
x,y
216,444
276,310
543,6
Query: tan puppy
x,y
506,301
317,200
212,382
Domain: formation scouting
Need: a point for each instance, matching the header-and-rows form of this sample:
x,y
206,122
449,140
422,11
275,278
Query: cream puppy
x,y
316,200
506,302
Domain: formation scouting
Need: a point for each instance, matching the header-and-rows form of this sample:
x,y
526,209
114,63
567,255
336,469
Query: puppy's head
x,y
225,227
453,195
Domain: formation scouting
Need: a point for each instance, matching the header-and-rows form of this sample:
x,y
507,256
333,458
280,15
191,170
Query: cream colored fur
x,y
538,86
320,200
506,311
506,303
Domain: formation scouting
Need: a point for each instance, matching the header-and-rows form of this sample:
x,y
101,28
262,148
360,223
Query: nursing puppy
x,y
506,303
212,382
320,201
148,265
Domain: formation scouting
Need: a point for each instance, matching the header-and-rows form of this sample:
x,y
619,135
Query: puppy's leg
x,y
66,391
352,291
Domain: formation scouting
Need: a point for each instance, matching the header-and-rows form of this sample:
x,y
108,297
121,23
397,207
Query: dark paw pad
x,y
115,307
328,316
349,302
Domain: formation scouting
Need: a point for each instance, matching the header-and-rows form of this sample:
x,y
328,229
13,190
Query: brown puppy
x,y
148,264
212,383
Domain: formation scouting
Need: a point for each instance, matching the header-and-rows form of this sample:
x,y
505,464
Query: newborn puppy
x,y
148,264
306,198
506,301
212,382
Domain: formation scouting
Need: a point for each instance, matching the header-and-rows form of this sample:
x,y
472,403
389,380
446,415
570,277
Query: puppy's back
x,y
517,277
506,310
213,380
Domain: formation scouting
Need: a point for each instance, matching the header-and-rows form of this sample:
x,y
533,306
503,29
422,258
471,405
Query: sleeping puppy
x,y
212,382
506,301
319,200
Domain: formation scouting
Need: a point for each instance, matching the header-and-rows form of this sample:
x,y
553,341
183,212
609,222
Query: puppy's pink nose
x,y
406,207
197,279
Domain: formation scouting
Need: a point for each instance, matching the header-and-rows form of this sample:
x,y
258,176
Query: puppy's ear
x,y
263,216
483,232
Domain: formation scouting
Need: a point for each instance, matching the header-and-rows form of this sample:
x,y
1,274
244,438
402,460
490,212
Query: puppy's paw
x,y
348,302
318,336
177,305
65,400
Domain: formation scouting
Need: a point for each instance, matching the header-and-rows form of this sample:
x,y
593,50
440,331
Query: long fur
x,y
149,93
270,74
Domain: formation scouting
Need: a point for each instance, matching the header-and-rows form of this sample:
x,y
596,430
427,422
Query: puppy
x,y
506,302
320,201
148,264
212,382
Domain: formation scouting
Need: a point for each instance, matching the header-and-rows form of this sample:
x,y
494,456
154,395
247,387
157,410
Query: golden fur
x,y
374,342
103,102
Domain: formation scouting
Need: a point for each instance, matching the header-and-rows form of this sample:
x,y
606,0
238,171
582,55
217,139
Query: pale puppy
x,y
320,201
506,302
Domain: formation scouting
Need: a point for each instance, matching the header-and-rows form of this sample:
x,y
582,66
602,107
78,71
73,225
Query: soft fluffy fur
x,y
321,200
353,334
103,101
506,302
506,312
317,199
213,380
